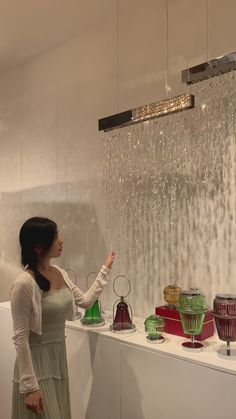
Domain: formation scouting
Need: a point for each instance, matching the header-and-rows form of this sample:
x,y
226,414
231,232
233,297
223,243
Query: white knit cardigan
x,y
26,311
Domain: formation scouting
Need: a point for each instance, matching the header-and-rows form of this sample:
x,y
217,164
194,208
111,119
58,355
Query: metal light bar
x,y
210,68
147,112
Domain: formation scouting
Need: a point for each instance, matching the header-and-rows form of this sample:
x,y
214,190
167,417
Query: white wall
x,y
51,154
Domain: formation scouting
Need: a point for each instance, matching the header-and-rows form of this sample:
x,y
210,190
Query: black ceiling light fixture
x,y
147,112
209,69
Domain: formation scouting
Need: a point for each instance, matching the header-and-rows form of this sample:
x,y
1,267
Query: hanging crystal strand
x,y
132,210
231,150
154,263
142,147
204,220
175,248
194,207
147,209
228,196
159,202
156,233
112,198
125,195
140,225
151,271
180,195
129,200
119,202
171,238
218,185
215,137
166,204
144,203
167,200
157,212
126,192
215,140
107,187
162,208
135,207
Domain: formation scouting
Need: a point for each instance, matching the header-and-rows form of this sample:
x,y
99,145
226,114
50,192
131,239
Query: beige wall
x,y
51,154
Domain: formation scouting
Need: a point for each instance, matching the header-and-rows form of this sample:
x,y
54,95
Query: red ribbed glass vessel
x,y
224,312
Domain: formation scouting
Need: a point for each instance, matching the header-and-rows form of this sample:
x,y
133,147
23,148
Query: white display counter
x,y
117,376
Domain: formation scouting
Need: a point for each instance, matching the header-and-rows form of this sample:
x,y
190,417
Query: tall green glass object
x,y
92,316
192,308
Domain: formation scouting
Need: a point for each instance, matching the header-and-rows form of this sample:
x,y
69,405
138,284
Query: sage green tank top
x,y
56,304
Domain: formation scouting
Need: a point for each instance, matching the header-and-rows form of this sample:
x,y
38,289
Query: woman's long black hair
x,y
36,231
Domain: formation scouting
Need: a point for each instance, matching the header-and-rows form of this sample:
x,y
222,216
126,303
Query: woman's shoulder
x,y
23,280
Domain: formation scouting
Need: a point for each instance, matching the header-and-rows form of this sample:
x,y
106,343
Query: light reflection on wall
x,y
170,197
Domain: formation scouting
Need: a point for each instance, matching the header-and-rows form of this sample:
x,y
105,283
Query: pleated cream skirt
x,y
50,365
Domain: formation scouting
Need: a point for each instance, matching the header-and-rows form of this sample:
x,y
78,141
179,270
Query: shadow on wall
x,y
78,224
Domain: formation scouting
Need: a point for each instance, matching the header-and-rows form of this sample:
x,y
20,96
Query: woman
x,y
42,299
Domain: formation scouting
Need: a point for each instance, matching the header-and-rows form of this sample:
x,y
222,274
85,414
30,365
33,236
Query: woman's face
x,y
56,247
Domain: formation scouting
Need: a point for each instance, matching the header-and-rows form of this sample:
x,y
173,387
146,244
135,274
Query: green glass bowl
x,y
154,326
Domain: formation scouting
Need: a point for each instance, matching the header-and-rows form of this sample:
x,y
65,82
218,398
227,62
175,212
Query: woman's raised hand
x,y
109,259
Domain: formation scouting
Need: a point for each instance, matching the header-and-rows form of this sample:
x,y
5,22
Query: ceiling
x,y
30,27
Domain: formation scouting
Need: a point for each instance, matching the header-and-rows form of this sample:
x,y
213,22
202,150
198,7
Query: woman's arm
x,y
86,299
21,308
